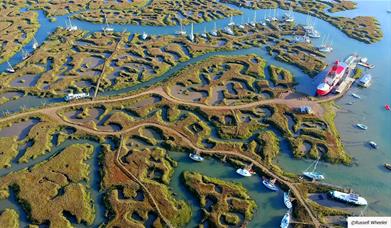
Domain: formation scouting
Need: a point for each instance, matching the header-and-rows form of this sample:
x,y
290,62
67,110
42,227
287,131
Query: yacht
x,y
196,157
287,200
231,22
365,80
270,184
362,126
181,32
313,175
245,172
25,54
274,18
373,144
35,43
254,22
144,36
214,31
191,35
229,31
70,27
241,26
288,17
205,34
349,198
326,46
107,27
285,220
10,69
76,96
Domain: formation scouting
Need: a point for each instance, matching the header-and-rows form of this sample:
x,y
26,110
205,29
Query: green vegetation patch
x,y
9,218
222,203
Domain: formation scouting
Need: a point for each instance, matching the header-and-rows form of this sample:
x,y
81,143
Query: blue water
x,y
368,177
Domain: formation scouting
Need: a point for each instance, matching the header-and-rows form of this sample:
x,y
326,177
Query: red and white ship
x,y
333,77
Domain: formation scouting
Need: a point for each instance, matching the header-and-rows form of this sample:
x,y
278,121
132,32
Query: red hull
x,y
322,92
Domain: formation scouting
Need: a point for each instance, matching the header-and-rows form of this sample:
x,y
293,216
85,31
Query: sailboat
x,y
285,220
241,23
191,35
25,54
268,16
35,43
70,27
287,200
313,175
231,22
181,31
10,69
107,27
246,172
214,31
274,18
270,184
253,23
326,46
205,34
264,20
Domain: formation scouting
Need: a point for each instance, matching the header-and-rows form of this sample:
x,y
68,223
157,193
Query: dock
x,y
345,85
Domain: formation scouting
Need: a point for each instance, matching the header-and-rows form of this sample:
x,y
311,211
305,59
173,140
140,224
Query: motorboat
x,y
270,184
365,80
356,96
231,22
313,175
349,198
387,166
35,43
287,200
228,30
196,157
373,144
285,220
362,126
245,172
387,107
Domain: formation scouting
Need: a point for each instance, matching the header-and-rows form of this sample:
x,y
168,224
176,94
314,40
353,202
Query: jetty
x,y
348,80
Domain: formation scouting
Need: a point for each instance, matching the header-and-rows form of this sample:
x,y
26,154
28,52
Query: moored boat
x,y
196,157
287,200
362,126
356,96
387,107
387,166
10,69
244,172
285,220
332,79
76,96
373,144
313,175
144,36
349,198
270,184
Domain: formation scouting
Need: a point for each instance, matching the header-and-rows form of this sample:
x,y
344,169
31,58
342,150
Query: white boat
x,y
270,184
144,36
274,18
191,35
285,220
362,126
287,200
214,31
25,54
229,31
76,96
181,32
244,172
107,27
364,60
365,80
10,69
326,46
196,157
241,26
205,34
288,17
231,22
349,198
70,27
313,175
356,96
254,22
373,144
35,43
